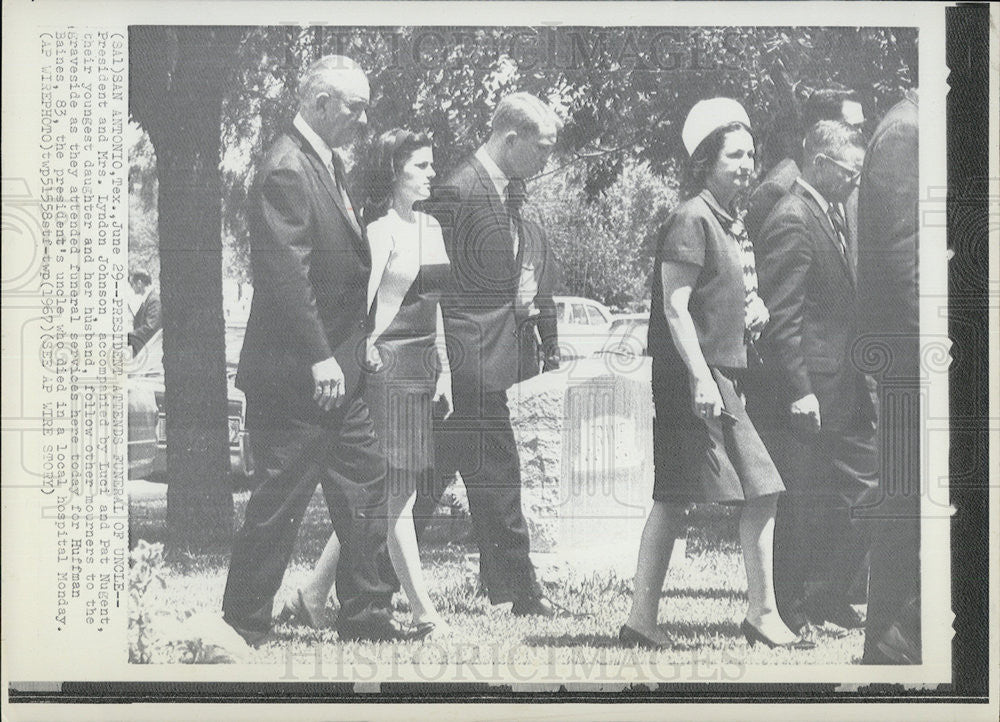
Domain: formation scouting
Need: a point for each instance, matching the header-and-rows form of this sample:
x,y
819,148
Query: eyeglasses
x,y
852,173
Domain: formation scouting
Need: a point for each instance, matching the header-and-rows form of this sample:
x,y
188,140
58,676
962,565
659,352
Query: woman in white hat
x,y
705,314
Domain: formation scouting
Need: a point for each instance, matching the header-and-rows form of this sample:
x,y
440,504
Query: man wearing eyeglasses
x,y
817,414
822,104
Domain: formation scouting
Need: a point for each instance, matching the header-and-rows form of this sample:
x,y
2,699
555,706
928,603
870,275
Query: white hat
x,y
706,116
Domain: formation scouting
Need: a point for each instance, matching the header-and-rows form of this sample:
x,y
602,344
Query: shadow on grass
x,y
575,640
685,635
708,593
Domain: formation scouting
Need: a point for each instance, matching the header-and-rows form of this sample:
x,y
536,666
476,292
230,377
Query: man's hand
x,y
328,380
443,396
757,317
805,413
372,357
552,360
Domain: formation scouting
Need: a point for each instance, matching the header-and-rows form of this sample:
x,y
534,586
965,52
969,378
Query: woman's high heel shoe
x,y
633,638
297,611
754,635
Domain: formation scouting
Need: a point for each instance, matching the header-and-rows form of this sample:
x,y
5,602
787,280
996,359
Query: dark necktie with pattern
x,y
516,194
839,225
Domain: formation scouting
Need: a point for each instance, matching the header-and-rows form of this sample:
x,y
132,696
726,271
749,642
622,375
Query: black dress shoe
x,y
539,607
836,610
633,638
423,630
897,648
253,637
386,630
754,635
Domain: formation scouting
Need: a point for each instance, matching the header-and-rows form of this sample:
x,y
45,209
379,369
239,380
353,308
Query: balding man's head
x,y
524,131
333,98
833,153
524,113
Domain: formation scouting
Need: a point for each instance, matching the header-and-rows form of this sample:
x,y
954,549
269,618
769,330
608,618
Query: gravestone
x,y
606,476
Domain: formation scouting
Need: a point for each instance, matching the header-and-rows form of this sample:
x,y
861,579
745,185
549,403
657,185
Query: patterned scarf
x,y
737,231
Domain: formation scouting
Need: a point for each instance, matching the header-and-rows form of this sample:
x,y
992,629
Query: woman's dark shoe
x,y
423,630
541,606
634,638
297,611
754,635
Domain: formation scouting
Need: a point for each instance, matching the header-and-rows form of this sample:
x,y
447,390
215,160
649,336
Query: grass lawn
x,y
703,602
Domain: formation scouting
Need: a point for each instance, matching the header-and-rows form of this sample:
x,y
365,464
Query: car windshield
x,y
596,317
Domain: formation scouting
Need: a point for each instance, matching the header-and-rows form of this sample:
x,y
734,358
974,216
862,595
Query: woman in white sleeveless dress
x,y
410,270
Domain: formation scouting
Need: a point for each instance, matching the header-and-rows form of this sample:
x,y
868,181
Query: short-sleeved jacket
x,y
694,235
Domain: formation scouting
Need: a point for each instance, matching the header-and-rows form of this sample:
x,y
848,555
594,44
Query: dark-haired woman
x,y
705,312
407,347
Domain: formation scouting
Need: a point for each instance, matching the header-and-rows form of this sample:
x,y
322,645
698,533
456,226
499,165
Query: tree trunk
x,y
184,121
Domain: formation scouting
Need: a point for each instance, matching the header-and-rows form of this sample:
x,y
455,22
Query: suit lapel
x,y
328,183
489,190
831,233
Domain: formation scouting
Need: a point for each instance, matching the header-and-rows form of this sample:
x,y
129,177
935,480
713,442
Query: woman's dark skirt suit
x,y
696,459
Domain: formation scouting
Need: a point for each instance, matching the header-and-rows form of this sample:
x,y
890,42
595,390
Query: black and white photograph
x,y
577,356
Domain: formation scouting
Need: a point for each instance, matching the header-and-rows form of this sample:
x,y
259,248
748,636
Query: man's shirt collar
x,y
319,145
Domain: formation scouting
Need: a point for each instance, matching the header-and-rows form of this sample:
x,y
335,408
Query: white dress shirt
x,y
325,153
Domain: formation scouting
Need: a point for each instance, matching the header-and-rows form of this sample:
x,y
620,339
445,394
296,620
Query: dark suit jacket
x,y
147,321
809,288
537,255
478,310
887,225
310,275
766,195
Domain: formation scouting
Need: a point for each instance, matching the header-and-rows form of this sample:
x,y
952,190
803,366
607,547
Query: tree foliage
x,y
605,243
623,91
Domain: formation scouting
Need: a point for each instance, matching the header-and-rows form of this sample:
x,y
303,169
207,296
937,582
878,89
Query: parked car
x,y
584,325
147,438
629,336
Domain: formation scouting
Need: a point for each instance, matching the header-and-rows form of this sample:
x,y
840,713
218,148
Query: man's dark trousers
x,y
297,446
477,441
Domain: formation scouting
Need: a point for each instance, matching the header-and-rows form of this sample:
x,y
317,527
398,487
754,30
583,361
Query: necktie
x,y
516,194
338,176
839,225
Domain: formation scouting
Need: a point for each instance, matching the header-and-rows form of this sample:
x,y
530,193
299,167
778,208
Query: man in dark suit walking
x,y
888,235
479,208
301,368
822,104
817,414
147,320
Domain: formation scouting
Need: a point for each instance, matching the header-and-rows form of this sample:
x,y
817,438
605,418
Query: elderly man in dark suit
x,y
888,229
301,368
819,422
822,104
479,208
147,320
